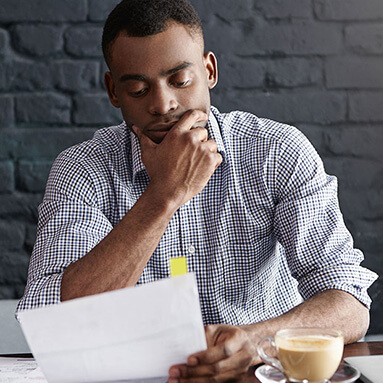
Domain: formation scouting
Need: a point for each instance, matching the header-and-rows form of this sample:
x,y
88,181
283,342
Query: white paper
x,y
20,370
370,366
132,333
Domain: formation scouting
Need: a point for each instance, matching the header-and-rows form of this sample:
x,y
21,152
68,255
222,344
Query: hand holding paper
x,y
125,334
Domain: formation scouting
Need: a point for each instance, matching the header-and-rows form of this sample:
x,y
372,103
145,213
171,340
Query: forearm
x,y
119,259
332,308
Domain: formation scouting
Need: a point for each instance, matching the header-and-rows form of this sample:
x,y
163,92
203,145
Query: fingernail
x,y
192,361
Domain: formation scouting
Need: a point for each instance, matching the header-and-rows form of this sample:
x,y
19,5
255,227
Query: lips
x,y
161,127
158,131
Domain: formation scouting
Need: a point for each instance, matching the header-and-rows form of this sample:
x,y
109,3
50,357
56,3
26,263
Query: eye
x,y
181,84
138,93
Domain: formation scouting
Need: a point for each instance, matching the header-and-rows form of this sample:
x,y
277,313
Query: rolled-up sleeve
x,y
308,223
71,223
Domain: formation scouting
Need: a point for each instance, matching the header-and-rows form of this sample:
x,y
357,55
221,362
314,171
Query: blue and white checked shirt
x,y
265,232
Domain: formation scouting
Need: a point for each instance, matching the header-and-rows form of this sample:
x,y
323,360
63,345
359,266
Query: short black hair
x,y
141,18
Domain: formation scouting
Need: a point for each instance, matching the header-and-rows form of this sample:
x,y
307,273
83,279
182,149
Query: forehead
x,y
177,43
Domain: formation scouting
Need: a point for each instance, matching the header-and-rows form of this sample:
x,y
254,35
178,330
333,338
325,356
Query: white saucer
x,y
344,374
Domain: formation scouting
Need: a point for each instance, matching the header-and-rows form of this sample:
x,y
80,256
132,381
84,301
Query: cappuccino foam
x,y
310,357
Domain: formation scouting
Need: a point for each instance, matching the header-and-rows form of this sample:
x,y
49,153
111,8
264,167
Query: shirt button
x,y
191,249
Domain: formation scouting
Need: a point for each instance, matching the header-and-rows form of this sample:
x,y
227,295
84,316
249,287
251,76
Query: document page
x,y
20,370
132,333
370,366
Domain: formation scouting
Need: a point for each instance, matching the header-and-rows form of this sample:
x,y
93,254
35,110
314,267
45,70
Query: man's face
x,y
156,79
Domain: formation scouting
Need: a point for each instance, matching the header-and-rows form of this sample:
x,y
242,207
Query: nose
x,y
162,100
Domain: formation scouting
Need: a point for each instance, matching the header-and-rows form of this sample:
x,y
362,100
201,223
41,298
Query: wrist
x,y
165,203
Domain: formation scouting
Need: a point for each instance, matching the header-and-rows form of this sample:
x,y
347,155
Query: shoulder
x,y
244,126
105,142
84,168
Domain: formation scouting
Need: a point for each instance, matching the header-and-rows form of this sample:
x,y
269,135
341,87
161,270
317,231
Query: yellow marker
x,y
178,266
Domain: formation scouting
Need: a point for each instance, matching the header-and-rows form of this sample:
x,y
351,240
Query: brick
x,y
238,72
43,11
95,109
12,235
67,75
27,75
366,205
13,268
364,39
77,75
368,235
282,9
38,39
241,72
317,136
100,9
254,38
84,41
358,141
14,291
3,77
4,39
366,106
354,72
30,236
226,9
7,114
293,72
356,173
20,206
32,176
43,143
348,10
7,177
304,39
292,107
46,108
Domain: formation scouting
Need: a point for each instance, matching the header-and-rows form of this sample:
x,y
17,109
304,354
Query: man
x,y
245,199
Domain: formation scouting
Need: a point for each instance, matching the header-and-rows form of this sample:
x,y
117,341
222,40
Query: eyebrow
x,y
141,77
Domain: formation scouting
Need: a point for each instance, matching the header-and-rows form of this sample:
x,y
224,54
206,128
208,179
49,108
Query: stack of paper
x,y
131,333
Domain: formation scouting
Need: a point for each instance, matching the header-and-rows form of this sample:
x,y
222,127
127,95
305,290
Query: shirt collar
x,y
214,133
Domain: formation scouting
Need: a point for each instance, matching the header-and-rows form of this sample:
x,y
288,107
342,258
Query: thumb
x,y
145,141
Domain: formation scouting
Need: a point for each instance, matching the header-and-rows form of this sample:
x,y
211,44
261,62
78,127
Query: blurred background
x,y
315,64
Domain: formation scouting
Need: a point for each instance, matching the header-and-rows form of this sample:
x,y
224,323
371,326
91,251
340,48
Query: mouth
x,y
161,127
157,131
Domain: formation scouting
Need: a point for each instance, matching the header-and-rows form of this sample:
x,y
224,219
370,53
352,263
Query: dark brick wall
x,y
316,64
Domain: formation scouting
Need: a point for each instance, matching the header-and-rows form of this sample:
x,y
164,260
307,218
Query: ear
x,y
111,89
210,62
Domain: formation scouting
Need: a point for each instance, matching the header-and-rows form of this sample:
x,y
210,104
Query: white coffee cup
x,y
309,355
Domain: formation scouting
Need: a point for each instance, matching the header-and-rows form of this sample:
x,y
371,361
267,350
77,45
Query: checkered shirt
x,y
265,232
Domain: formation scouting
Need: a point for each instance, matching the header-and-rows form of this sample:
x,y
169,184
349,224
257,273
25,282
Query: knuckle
x,y
190,371
216,368
194,113
210,328
228,350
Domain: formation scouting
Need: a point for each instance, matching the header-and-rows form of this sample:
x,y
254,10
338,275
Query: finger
x,y
211,145
229,376
200,133
219,160
216,353
144,139
190,118
238,363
